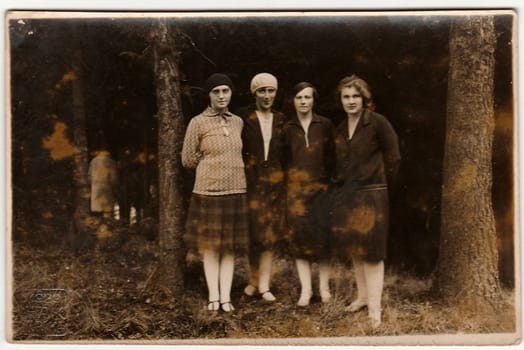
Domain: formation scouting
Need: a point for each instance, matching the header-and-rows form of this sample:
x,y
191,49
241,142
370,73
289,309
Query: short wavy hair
x,y
362,87
301,86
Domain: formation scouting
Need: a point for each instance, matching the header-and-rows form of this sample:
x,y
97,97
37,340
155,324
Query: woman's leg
x,y
362,291
251,288
227,264
324,270
266,260
374,272
211,271
304,275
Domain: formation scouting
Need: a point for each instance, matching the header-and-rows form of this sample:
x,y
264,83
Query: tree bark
x,y
81,187
170,140
467,268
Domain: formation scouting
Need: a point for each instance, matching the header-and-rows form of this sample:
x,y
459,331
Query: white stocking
x,y
304,275
211,267
227,265
324,271
374,274
266,259
360,278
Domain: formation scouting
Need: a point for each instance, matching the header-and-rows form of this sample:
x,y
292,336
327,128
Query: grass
x,y
120,295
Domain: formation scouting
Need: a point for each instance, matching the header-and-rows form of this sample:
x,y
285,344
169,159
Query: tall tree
x,y
467,267
80,157
170,140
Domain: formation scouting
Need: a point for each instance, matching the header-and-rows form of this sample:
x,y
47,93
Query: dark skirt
x,y
217,223
360,224
308,238
266,203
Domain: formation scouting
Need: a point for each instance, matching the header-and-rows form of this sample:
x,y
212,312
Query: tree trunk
x,y
81,187
170,140
467,269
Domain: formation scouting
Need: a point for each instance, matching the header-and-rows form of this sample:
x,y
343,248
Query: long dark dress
x,y
364,164
310,167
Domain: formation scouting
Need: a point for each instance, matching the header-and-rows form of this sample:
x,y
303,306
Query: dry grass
x,y
121,295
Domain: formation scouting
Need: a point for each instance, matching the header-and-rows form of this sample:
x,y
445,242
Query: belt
x,y
376,187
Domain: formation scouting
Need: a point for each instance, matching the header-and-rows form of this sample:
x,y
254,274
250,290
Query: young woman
x,y
311,150
263,145
367,157
217,216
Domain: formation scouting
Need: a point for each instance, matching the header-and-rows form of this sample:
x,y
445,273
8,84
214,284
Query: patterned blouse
x,y
213,146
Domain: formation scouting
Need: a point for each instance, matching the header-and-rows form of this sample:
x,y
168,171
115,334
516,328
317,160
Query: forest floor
x,y
120,295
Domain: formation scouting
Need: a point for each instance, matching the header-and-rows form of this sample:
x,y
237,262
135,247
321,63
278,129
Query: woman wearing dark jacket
x,y
310,166
367,158
263,149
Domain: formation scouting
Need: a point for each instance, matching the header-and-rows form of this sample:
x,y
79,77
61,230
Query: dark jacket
x,y
265,179
372,156
253,147
314,157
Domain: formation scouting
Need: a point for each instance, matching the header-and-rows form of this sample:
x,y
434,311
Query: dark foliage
x,y
405,60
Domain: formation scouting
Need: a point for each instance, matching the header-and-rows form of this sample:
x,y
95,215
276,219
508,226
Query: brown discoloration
x,y
297,208
276,177
141,157
254,204
66,78
462,179
47,215
59,146
362,219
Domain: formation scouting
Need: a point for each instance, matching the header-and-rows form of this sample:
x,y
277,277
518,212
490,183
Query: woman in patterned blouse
x,y
217,217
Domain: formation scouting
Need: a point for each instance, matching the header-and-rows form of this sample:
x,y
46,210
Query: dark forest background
x,y
404,58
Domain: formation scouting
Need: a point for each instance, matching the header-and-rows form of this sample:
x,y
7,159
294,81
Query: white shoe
x,y
304,299
250,290
213,305
356,305
375,317
268,296
227,306
325,296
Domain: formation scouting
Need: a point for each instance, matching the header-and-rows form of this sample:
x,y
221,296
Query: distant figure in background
x,y
367,157
104,180
217,216
263,148
311,162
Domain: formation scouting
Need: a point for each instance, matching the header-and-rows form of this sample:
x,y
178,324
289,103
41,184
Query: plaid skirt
x,y
217,223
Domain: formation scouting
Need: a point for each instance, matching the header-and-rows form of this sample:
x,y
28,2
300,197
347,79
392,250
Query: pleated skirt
x,y
218,223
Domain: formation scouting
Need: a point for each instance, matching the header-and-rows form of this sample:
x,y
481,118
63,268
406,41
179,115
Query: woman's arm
x,y
191,154
389,146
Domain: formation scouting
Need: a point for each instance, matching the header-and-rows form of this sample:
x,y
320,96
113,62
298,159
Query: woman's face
x,y
219,97
352,101
264,98
304,101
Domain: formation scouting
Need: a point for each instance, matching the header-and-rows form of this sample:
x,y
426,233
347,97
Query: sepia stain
x,y
355,251
142,158
47,215
276,177
362,219
58,144
66,78
297,208
299,176
463,179
104,232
